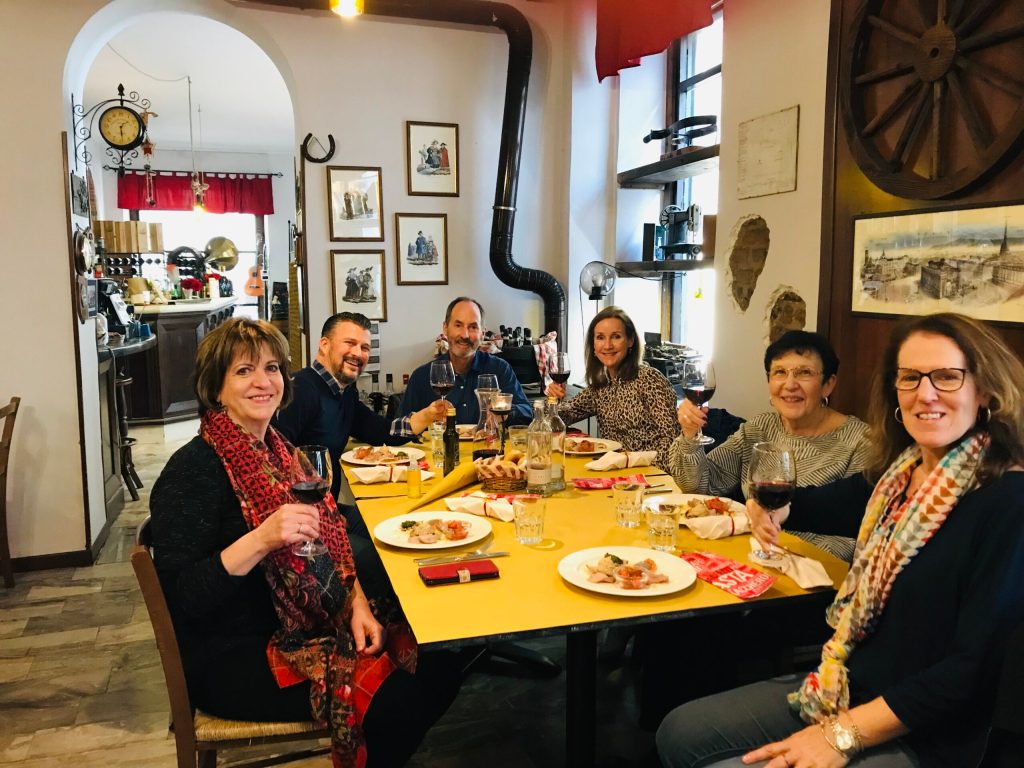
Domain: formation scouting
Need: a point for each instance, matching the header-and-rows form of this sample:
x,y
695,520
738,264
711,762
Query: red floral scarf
x,y
312,597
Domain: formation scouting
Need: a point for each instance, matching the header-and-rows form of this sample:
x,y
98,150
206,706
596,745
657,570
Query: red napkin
x,y
734,577
604,483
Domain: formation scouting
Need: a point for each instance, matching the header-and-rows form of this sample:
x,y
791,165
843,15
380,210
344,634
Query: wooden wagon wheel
x,y
932,92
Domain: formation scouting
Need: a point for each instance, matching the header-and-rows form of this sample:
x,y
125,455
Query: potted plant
x,y
189,285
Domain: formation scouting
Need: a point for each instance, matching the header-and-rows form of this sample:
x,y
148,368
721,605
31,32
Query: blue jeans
x,y
718,730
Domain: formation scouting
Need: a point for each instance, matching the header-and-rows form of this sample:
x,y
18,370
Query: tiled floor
x,y
81,683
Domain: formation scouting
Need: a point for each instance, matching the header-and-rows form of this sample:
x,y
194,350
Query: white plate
x,y
349,457
680,573
600,446
390,531
682,498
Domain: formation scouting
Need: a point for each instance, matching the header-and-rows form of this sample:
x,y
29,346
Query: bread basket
x,y
502,474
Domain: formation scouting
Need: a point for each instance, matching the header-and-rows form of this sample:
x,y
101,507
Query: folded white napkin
x,y
806,572
718,526
483,504
386,473
623,460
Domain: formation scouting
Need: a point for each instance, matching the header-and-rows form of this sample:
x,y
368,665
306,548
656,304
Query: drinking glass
x,y
310,476
529,519
442,377
559,367
698,388
487,382
771,484
627,499
501,408
662,525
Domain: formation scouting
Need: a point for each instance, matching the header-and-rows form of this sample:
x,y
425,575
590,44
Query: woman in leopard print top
x,y
633,402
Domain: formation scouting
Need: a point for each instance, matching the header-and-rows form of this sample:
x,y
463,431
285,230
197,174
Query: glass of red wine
x,y
559,367
310,476
699,388
442,377
771,484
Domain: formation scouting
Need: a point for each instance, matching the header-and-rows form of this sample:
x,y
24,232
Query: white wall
x,y
774,57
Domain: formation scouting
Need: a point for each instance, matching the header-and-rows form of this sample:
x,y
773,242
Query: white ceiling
x,y
244,101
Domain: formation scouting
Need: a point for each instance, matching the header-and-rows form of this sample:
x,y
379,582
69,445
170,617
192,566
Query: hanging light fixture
x,y
199,186
347,9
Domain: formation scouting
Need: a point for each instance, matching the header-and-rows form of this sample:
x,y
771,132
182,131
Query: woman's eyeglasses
x,y
943,379
801,373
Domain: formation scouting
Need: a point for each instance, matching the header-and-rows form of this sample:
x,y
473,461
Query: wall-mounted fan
x,y
597,280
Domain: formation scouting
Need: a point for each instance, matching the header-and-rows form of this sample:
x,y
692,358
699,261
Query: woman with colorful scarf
x,y
265,634
937,580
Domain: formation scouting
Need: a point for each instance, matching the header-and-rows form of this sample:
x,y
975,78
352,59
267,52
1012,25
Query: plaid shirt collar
x,y
336,387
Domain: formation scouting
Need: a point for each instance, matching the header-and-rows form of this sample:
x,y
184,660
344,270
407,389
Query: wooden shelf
x,y
656,175
655,268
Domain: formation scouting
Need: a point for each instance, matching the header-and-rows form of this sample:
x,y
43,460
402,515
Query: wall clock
x,y
932,92
122,127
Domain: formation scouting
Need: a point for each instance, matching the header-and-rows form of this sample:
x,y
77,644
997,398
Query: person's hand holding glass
x,y
769,490
698,389
310,477
559,367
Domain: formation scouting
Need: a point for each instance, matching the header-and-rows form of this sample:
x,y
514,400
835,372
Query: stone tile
x,y
12,628
32,609
57,593
94,609
142,698
15,646
84,660
104,571
129,633
29,719
81,739
56,689
15,748
12,670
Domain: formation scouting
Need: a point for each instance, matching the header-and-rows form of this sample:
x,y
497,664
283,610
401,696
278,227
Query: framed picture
x,y
355,203
967,260
79,196
421,240
357,281
432,158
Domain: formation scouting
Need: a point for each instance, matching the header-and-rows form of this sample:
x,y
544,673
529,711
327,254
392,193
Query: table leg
x,y
580,698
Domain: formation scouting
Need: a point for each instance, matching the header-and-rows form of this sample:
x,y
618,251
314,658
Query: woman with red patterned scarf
x,y
266,634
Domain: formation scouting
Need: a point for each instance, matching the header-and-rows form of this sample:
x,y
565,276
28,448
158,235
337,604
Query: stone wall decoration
x,y
748,251
967,260
787,311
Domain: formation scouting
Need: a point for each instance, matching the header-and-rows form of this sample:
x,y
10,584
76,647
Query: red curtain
x,y
629,29
228,193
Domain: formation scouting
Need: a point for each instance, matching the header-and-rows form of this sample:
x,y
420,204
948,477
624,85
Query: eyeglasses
x,y
801,373
943,379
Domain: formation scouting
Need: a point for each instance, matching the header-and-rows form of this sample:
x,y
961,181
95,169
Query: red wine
x,y
442,389
310,491
560,377
772,495
699,395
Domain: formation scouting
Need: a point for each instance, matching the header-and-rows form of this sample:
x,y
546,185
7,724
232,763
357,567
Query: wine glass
x,y
487,382
699,388
771,484
442,377
559,366
501,408
310,476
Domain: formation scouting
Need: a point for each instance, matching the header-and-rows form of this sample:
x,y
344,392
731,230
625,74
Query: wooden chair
x,y
198,736
7,415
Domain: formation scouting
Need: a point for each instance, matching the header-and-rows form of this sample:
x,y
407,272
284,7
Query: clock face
x,y
121,128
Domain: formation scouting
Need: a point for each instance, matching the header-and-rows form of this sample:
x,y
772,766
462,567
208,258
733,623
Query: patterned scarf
x,y
312,597
892,532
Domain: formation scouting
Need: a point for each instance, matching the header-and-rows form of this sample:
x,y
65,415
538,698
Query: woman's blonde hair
x,y
998,375
223,344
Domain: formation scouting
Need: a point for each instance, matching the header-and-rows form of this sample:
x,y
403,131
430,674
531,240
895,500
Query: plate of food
x,y
626,571
584,445
698,505
370,456
437,529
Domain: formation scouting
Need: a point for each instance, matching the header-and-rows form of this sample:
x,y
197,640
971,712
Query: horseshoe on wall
x,y
309,157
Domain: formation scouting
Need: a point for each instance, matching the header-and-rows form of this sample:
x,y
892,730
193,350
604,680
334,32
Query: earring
x,y
988,416
897,415
824,402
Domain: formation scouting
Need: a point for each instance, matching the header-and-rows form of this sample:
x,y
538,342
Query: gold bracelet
x,y
858,741
825,728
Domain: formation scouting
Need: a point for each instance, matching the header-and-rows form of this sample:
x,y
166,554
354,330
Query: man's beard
x,y
346,378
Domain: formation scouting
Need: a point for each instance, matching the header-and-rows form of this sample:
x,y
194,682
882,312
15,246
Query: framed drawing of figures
x,y
432,158
967,260
354,199
357,282
422,243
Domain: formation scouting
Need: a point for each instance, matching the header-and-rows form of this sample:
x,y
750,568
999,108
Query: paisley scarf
x,y
312,597
894,529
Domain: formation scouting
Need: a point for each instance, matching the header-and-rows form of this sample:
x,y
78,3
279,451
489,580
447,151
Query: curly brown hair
x,y
997,372
223,344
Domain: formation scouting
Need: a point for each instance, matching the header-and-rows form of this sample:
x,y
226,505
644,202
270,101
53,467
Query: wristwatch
x,y
845,741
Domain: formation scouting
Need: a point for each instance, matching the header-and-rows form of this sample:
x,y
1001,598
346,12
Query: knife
x,y
444,559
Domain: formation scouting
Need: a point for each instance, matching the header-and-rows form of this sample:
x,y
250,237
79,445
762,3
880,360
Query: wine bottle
x,y
538,451
451,443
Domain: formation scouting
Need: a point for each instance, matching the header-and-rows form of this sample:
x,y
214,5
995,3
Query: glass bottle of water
x,y
557,427
538,451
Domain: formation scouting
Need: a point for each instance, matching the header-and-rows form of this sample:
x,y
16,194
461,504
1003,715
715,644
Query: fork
x,y
478,552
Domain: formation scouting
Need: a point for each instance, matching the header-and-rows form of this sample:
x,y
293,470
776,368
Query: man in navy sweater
x,y
463,327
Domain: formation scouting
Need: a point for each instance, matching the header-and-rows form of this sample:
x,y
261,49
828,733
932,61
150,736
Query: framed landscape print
x,y
432,158
354,201
357,282
968,260
421,240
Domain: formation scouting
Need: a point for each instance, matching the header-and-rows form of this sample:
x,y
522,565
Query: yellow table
x,y
530,599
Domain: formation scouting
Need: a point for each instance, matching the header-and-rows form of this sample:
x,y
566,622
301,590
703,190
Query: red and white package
x,y
604,483
734,577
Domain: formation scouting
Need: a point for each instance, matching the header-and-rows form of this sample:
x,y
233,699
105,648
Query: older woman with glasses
x,y
801,369
907,679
